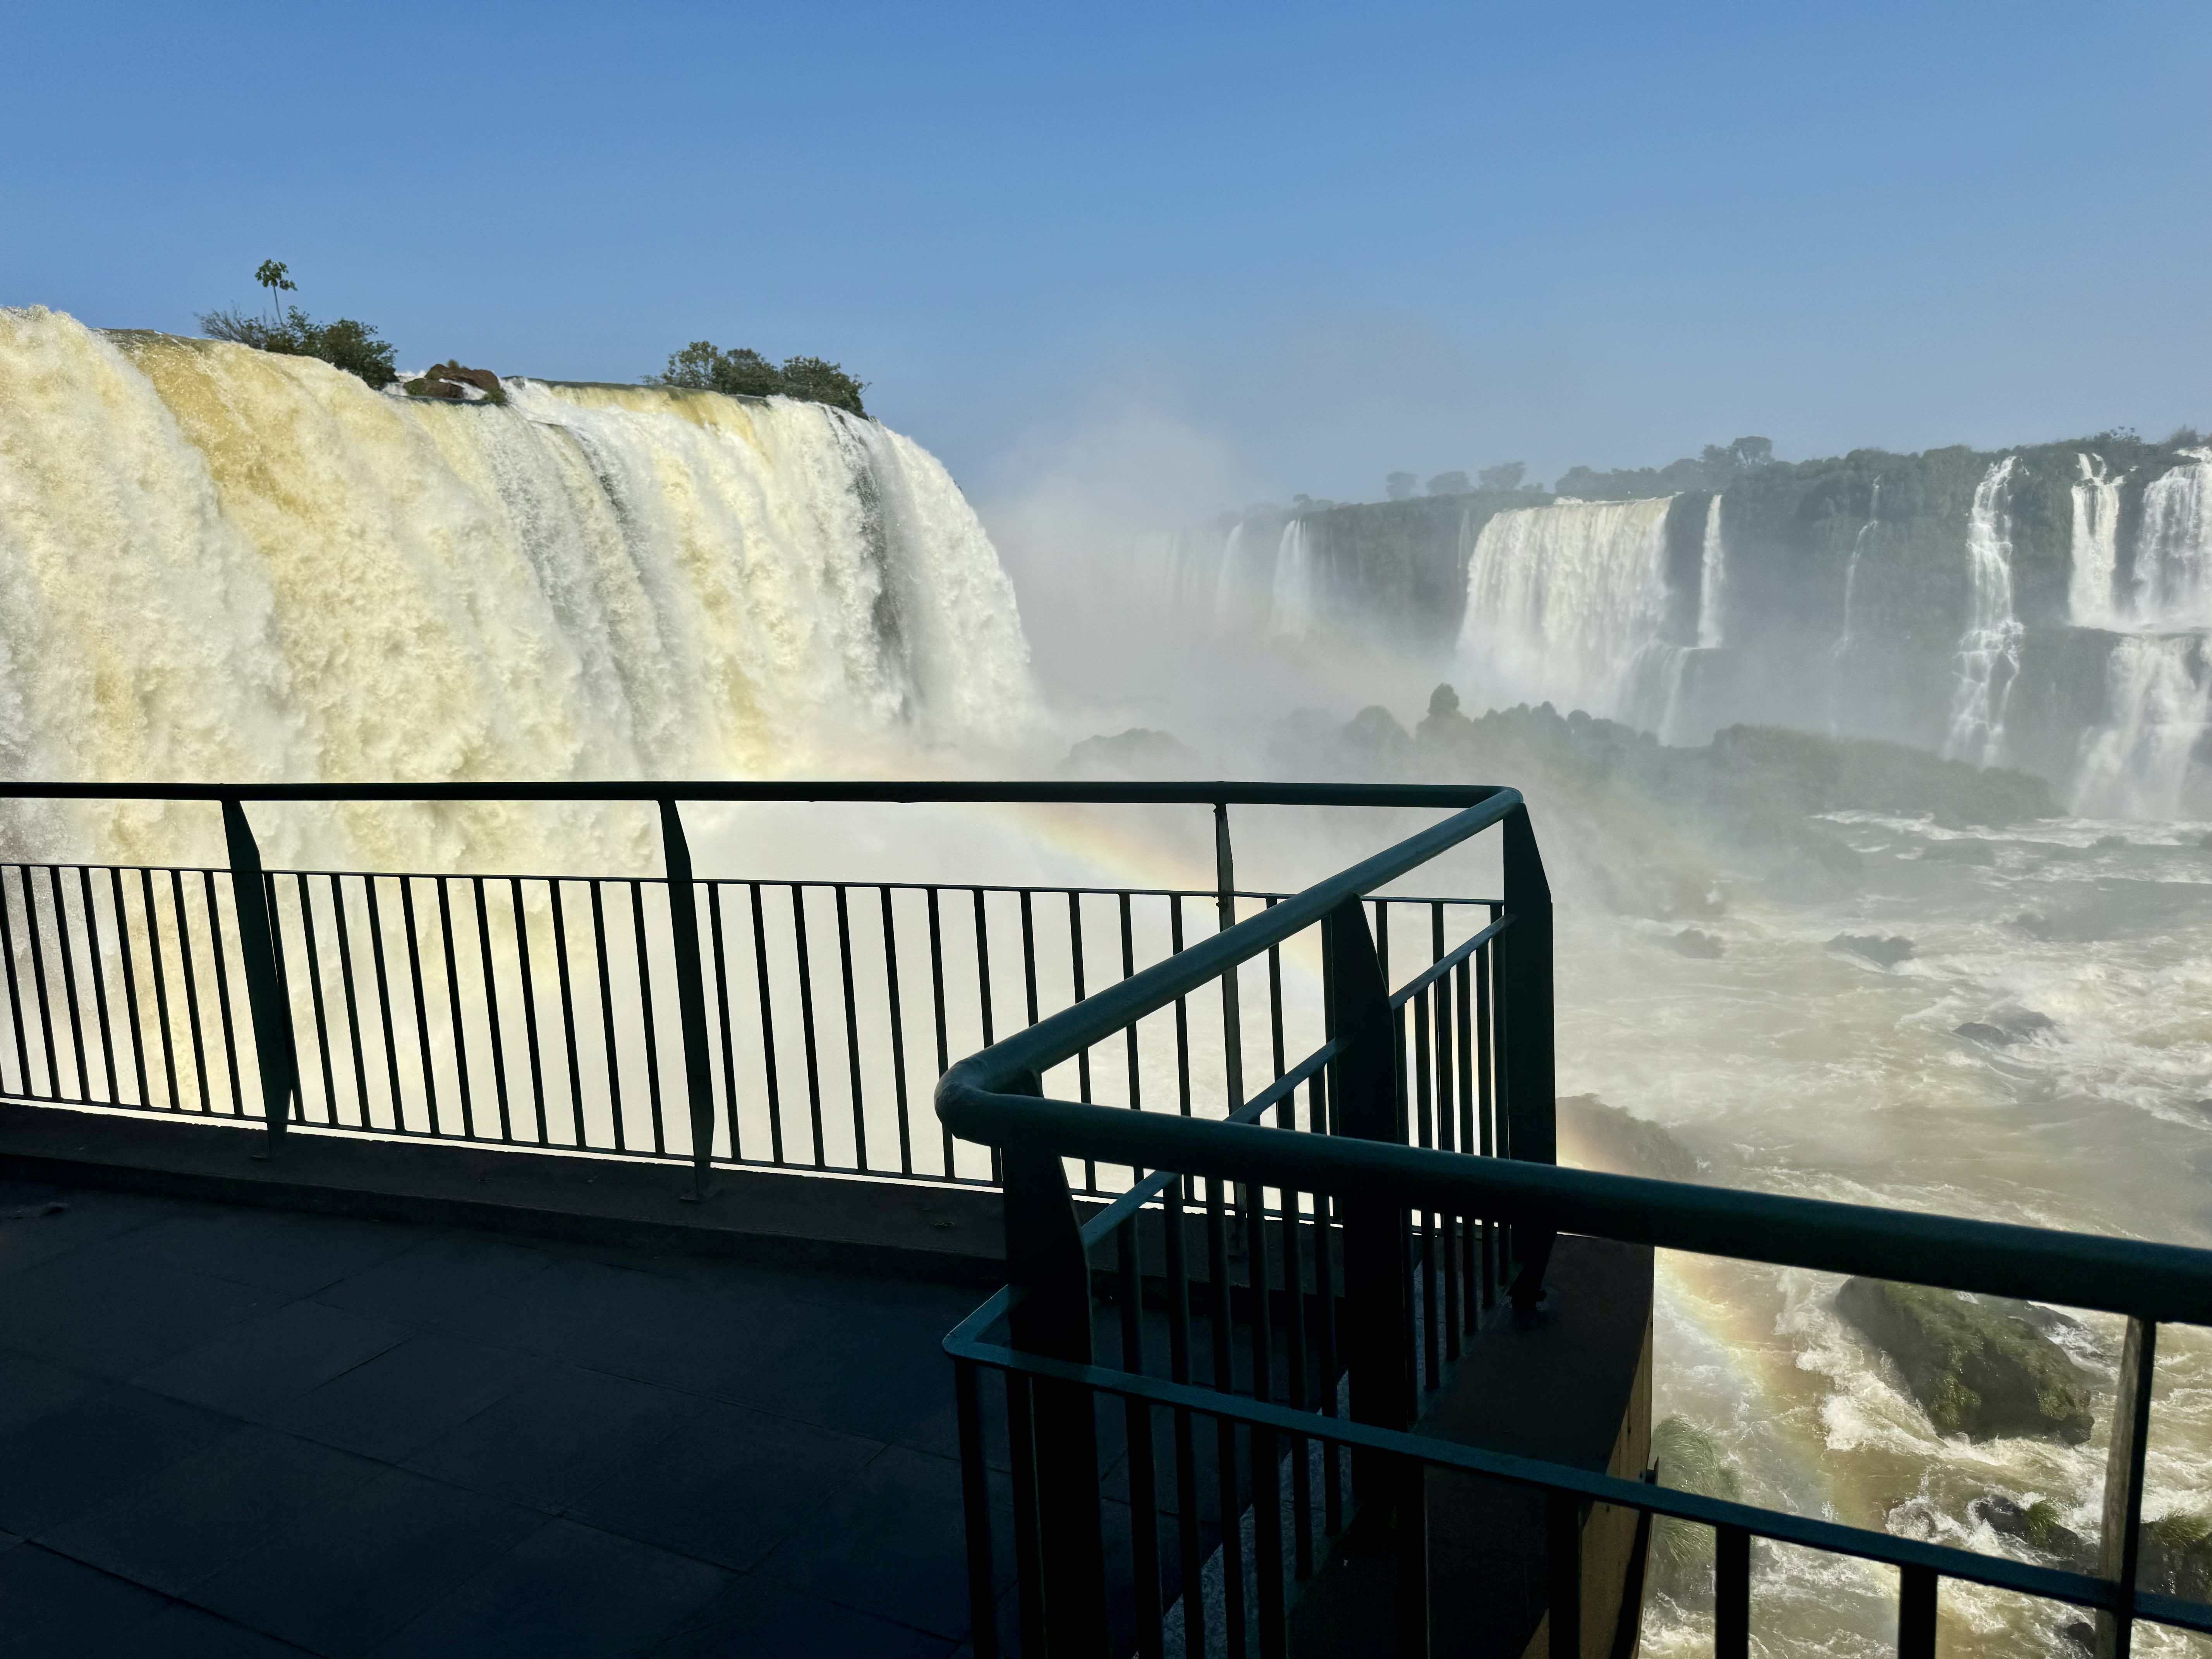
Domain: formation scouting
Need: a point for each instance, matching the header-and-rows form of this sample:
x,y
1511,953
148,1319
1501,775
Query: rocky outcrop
x,y
1698,944
2038,1526
2176,1556
1135,753
1978,1366
2003,1031
1681,1563
1618,1142
451,383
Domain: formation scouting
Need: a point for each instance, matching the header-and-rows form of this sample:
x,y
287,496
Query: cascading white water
x,y
2173,549
2138,763
1842,648
1989,650
223,564
1295,608
1566,604
2096,545
1712,578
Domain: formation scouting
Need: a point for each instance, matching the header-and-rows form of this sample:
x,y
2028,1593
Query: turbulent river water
x,y
219,564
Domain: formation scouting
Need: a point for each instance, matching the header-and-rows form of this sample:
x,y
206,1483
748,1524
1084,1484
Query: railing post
x,y
1225,902
278,1061
1377,1327
690,995
1527,1066
1049,1274
2120,1538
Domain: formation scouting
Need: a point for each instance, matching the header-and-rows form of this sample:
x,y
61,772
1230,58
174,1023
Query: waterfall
x,y
2158,700
1989,650
1712,577
1565,604
2174,551
2096,546
224,564
1294,611
1842,648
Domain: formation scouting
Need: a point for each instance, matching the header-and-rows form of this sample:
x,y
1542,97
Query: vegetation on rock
x,y
1978,1366
2177,1555
342,343
741,372
1617,1141
1681,1563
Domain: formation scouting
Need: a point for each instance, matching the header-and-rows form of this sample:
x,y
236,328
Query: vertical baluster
x,y
1295,1316
159,970
645,1017
191,986
1431,1376
1029,1555
852,1032
377,955
1129,1031
67,954
281,1005
491,1009
723,1020
1486,1122
1524,969
898,1031
1332,1468
423,1051
99,985
1266,1468
607,1017
1144,1497
1190,1546
563,969
806,1024
1732,1594
1082,1058
1472,1263
690,1000
1220,1310
38,983
2119,1541
1915,1613
315,991
15,999
529,1009
126,954
343,930
768,1030
458,1020
936,1010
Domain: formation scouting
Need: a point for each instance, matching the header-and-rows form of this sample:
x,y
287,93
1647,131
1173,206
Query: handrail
x,y
1218,793
2165,1283
1051,1041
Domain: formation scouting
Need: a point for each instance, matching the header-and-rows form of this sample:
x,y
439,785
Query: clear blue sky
x,y
1307,244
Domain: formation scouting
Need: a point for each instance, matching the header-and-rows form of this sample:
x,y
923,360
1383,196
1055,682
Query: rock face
x,y
2038,1526
1977,1365
451,383
1698,944
1620,1143
2003,1031
2176,1556
1680,1565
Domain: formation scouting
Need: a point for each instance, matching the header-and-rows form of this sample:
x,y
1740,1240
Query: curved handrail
x,y
1068,1033
1221,792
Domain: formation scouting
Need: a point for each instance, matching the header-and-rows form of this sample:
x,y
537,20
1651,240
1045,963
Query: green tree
x,y
741,372
1506,475
275,276
1450,484
1400,486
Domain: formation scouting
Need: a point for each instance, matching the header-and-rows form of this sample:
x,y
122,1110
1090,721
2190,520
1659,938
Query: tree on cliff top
x,y
741,372
342,343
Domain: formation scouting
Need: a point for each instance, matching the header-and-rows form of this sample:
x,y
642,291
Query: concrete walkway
x,y
229,1430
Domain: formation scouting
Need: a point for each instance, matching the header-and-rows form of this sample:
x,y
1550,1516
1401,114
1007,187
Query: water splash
x,y
1989,650
2096,545
1296,606
1842,648
1712,578
2173,549
2140,761
1566,603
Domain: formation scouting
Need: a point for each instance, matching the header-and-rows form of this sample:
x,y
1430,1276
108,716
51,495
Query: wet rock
x,y
1979,1366
2176,1556
2038,1526
2032,924
2003,1031
1872,947
1681,1563
451,383
2107,843
1618,1142
1698,945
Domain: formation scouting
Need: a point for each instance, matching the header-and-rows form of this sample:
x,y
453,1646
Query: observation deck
x,y
455,1263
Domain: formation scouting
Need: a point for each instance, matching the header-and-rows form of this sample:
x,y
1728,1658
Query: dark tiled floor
x,y
229,1431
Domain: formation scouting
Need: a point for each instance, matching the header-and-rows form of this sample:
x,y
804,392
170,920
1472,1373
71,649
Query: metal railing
x,y
707,1021
1361,1257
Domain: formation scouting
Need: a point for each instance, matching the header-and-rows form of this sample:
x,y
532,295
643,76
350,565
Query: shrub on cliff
x,y
1681,1558
342,343
741,372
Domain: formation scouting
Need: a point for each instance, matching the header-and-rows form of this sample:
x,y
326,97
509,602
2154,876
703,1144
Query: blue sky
x,y
1213,252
